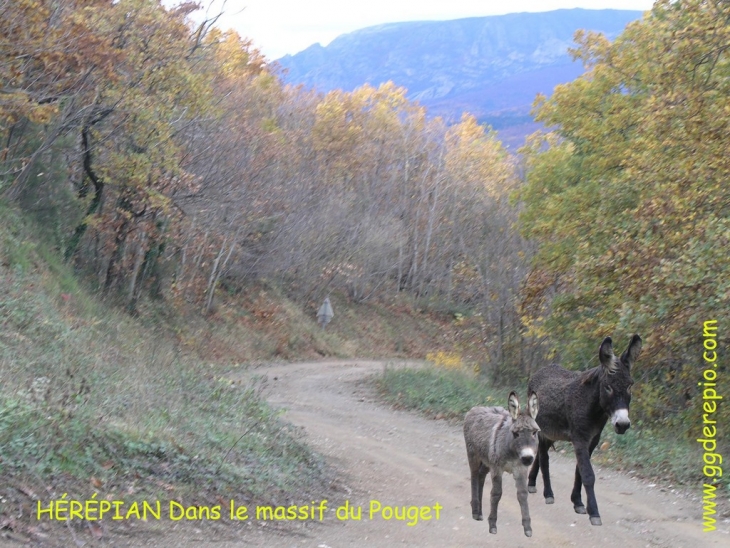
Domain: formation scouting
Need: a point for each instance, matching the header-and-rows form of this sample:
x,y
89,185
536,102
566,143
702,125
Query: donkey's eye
x,y
534,433
609,390
515,434
629,388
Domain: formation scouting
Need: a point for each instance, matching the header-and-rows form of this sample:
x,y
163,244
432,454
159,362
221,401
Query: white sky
x,y
278,27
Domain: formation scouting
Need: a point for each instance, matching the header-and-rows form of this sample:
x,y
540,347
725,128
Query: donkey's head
x,y
524,428
615,381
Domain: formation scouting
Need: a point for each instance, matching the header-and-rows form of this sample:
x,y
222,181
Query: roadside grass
x,y
94,401
436,391
647,453
441,392
670,457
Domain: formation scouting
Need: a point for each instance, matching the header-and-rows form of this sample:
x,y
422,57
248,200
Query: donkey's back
x,y
555,385
482,426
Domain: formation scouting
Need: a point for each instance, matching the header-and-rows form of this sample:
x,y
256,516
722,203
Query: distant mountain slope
x,y
490,66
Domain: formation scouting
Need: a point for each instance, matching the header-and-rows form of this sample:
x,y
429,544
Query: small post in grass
x,y
325,313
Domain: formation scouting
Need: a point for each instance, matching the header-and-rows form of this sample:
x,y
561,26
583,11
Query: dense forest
x,y
629,203
164,159
167,160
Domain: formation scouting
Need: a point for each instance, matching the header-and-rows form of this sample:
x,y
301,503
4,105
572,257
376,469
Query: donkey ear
x,y
632,351
514,405
532,406
605,354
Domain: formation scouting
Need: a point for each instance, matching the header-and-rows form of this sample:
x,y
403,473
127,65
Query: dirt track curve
x,y
401,459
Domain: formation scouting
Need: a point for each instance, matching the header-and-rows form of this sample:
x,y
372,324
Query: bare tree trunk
x,y
184,255
139,259
432,213
198,259
116,257
216,271
213,276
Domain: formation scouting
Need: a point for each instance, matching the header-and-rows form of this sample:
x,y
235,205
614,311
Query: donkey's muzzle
x,y
527,455
620,420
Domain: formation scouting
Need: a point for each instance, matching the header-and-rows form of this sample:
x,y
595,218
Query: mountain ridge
x,y
489,66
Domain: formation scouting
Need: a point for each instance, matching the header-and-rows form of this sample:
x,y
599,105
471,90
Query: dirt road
x,y
402,460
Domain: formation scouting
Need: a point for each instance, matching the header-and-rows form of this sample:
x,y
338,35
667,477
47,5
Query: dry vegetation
x,y
170,209
97,401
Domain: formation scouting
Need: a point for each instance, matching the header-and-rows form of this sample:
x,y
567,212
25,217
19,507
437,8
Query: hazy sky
x,y
278,27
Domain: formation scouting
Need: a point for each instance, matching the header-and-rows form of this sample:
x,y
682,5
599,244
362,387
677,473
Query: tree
x,y
627,198
50,62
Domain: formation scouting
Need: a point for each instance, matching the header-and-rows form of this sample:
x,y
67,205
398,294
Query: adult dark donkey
x,y
575,406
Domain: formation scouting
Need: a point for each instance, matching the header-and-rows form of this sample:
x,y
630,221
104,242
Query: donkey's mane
x,y
591,376
598,373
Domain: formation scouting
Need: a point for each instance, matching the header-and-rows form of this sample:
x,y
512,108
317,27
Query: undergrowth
x,y
667,457
93,401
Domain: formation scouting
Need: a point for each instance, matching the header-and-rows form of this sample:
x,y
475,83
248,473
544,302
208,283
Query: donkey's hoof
x,y
531,489
595,520
549,500
478,517
580,509
528,532
493,530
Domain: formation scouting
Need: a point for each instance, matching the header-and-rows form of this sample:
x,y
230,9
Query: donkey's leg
x,y
478,473
532,479
583,455
494,501
521,484
547,491
483,471
575,496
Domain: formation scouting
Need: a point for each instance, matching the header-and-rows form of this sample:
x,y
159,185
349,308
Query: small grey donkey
x,y
501,441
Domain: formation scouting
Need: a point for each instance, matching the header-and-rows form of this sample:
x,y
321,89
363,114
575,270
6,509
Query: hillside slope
x,y
95,402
